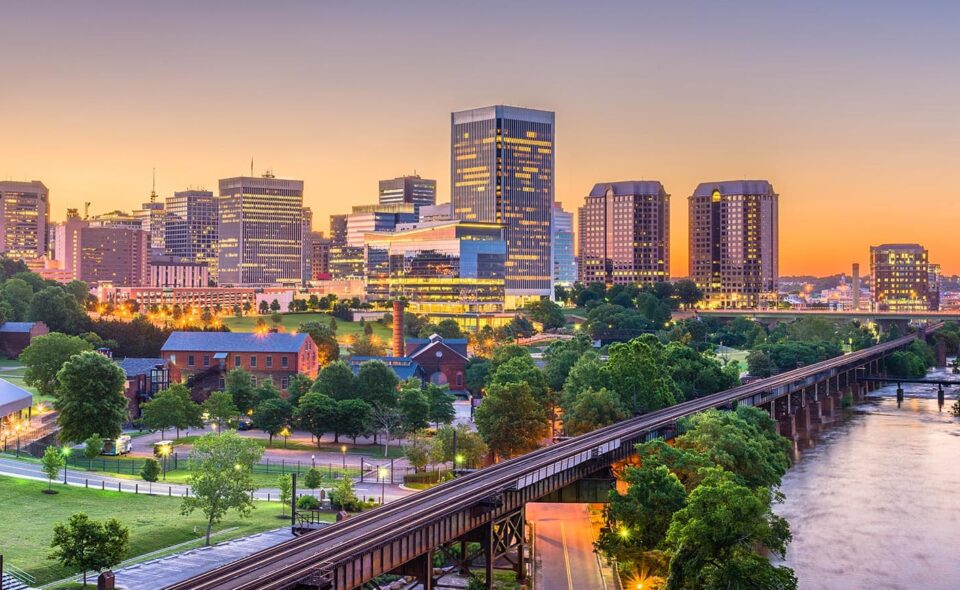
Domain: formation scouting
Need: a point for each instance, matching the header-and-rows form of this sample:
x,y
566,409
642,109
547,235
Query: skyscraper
x,y
24,214
734,246
191,228
261,231
625,234
564,260
338,230
408,189
379,218
502,171
116,255
903,279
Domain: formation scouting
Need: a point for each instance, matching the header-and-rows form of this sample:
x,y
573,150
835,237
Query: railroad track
x,y
282,566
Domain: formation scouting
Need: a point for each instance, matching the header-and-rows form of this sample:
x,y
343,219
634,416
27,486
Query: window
x,y
269,362
236,361
459,379
284,362
223,383
284,382
253,361
189,360
206,360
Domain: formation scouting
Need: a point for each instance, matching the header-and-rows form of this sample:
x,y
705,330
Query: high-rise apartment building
x,y
412,190
24,214
153,221
502,171
377,218
338,230
116,255
564,259
319,256
734,245
117,219
261,231
191,228
624,232
903,279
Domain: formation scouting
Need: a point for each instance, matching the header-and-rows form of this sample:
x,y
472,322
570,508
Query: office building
x,y
260,231
24,215
117,219
734,242
67,243
445,269
175,272
625,234
411,190
441,212
118,256
903,279
562,252
319,257
153,221
377,218
347,262
191,228
338,230
502,171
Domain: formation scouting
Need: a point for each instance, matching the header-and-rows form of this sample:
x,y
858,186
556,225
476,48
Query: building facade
x,y
347,262
412,190
113,255
502,171
24,215
443,269
734,242
903,279
260,231
338,230
625,234
319,257
170,271
377,218
191,228
153,221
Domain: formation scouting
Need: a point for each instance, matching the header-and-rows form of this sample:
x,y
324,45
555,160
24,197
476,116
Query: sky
x,y
849,108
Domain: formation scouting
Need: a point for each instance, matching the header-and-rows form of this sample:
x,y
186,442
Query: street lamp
x,y
18,428
66,457
382,472
343,451
164,451
313,461
458,462
285,432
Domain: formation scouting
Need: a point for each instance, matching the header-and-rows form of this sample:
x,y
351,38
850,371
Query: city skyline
x,y
853,132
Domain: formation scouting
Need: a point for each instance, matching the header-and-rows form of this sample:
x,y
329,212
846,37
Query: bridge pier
x,y
814,410
802,419
827,409
788,426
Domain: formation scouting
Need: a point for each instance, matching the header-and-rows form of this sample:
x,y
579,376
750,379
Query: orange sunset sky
x,y
850,110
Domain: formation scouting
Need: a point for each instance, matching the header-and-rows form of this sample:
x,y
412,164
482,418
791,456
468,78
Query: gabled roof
x,y
234,342
139,366
416,346
439,343
20,327
403,367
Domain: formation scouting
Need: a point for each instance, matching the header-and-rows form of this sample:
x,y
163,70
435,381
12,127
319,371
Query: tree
x,y
312,479
687,293
285,485
80,291
587,373
637,374
367,345
239,385
297,387
505,353
716,538
476,374
45,357
263,308
51,463
58,309
547,313
17,294
510,420
274,306
92,447
354,418
220,408
593,409
343,496
150,472
441,405
271,416
171,408
220,477
697,373
90,397
414,407
328,349
337,381
89,544
470,446
377,384
265,390
617,323
417,451
317,414
387,421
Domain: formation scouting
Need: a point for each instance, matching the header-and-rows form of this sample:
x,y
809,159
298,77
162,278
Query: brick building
x,y
444,361
15,336
145,378
201,360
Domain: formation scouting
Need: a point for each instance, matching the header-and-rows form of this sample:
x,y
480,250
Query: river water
x,y
874,500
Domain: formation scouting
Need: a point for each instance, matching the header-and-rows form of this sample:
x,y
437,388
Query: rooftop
x,y
21,327
734,187
13,398
139,366
234,342
628,187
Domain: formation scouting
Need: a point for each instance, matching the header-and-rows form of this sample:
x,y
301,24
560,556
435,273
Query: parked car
x,y
244,424
119,446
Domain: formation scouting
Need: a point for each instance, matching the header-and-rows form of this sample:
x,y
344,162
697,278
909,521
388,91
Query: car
x,y
245,424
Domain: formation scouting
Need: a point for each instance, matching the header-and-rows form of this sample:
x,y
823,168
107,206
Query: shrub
x,y
308,503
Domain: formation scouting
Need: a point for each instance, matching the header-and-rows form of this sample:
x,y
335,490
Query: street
x,y
564,547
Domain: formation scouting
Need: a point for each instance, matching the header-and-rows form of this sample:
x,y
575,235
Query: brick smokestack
x,y
398,328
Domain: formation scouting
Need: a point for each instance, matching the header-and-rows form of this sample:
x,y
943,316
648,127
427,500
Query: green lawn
x,y
27,518
15,376
9,363
291,321
366,450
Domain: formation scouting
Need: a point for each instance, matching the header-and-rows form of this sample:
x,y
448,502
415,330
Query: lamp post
x,y
313,461
19,427
382,472
343,451
66,457
285,433
164,452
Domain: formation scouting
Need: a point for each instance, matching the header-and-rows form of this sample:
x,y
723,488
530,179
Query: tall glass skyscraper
x,y
191,228
24,213
501,171
564,260
408,189
261,231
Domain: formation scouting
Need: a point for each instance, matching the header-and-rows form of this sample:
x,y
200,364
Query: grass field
x,y
291,321
27,518
15,376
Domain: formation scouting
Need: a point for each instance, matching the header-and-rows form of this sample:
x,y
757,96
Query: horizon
x,y
846,110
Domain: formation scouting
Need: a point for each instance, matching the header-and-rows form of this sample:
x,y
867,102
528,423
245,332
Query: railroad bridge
x,y
486,507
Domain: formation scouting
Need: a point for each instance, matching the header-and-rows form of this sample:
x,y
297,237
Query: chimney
x,y
855,287
398,328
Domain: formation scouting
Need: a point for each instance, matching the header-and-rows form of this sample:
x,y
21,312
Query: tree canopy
x,y
45,357
90,397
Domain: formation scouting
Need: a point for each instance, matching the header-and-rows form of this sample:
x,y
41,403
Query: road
x,y
564,546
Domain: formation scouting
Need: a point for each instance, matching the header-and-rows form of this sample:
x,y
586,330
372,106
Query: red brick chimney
x,y
398,348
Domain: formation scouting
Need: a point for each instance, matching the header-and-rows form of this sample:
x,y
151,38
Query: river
x,y
874,500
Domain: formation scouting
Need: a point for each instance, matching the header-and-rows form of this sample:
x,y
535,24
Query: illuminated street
x,y
564,547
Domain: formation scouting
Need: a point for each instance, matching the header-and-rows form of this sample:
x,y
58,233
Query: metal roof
x,y
13,398
22,327
234,342
139,366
